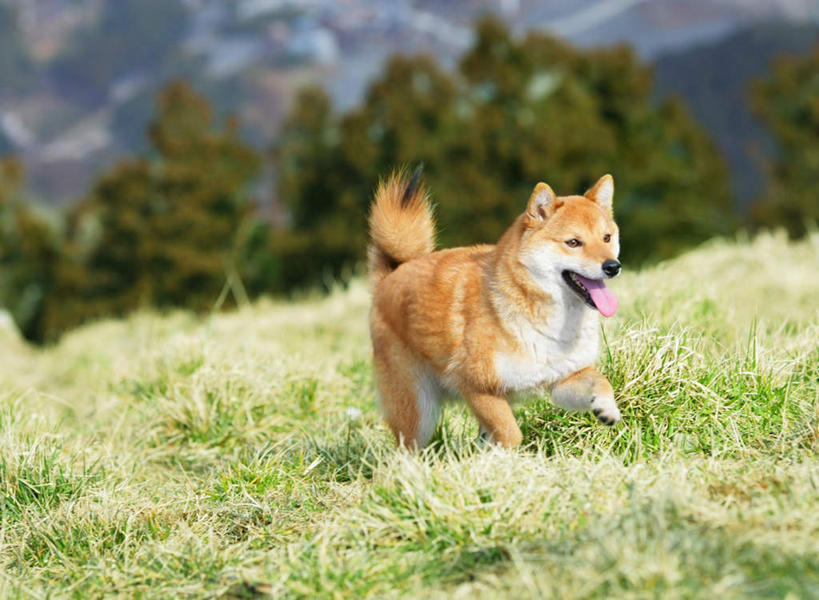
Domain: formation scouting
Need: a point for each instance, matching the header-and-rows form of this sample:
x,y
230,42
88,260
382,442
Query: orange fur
x,y
486,320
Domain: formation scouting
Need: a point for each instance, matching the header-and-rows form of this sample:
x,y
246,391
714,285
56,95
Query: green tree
x,y
327,165
29,254
517,111
788,102
310,176
168,230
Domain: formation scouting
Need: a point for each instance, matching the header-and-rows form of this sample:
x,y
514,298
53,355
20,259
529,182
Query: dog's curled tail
x,y
401,224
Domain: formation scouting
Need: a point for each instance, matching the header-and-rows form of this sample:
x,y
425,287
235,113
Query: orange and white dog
x,y
486,321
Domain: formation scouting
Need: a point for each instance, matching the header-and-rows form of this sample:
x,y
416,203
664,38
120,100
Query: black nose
x,y
611,268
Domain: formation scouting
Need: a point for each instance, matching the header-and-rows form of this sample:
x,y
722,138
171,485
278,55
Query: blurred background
x,y
200,153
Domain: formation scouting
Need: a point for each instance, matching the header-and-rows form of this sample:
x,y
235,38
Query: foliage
x,y
789,104
243,455
516,112
29,252
166,230
176,227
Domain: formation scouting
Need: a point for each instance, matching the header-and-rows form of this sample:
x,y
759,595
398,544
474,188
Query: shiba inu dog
x,y
486,321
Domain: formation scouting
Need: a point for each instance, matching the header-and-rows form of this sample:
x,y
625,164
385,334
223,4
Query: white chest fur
x,y
550,351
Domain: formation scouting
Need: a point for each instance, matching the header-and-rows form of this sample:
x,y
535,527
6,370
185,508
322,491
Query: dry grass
x,y
224,457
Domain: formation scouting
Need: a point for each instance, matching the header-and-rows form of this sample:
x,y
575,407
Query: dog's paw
x,y
606,411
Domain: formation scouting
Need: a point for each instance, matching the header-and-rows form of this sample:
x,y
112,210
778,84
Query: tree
x,y
29,253
202,178
516,112
310,175
166,230
327,166
788,102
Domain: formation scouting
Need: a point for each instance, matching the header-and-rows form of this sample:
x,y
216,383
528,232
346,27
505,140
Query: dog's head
x,y
573,241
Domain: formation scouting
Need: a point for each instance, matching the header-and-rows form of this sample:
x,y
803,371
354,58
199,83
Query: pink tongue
x,y
603,298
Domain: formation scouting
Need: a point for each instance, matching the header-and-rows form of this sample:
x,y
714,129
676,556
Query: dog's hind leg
x,y
483,438
496,419
409,392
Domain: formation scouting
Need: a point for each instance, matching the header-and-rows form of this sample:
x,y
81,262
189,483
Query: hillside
x,y
242,455
716,78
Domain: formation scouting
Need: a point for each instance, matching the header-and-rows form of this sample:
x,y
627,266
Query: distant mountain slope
x,y
656,27
715,80
92,67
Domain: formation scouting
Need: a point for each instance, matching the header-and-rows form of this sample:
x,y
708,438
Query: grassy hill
x,y
243,455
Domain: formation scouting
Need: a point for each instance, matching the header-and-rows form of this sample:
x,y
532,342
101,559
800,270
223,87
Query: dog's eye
x,y
574,243
607,238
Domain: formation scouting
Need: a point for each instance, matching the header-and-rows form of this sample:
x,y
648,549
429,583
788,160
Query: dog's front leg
x,y
587,390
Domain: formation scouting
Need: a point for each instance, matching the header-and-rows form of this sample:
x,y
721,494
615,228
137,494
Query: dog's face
x,y
573,241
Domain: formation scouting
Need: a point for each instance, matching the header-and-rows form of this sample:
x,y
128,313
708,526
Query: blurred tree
x,y
29,254
788,102
310,177
168,230
327,166
517,111
202,178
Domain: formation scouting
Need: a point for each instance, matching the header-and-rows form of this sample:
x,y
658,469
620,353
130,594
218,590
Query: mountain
x,y
715,80
78,77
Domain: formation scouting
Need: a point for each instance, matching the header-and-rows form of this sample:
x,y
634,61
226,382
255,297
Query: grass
x,y
242,455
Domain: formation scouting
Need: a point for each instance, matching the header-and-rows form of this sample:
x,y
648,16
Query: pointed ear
x,y
602,192
542,203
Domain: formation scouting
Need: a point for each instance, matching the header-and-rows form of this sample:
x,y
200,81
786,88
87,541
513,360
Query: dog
x,y
486,321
